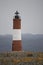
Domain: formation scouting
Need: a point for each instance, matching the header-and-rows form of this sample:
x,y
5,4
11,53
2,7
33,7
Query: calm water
x,y
29,43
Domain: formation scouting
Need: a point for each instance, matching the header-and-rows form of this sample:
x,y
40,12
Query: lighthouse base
x,y
16,45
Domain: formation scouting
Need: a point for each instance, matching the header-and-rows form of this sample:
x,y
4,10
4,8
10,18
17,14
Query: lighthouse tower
x,y
16,43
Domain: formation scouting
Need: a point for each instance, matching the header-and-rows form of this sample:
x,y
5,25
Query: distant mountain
x,y
32,42
29,42
32,36
5,43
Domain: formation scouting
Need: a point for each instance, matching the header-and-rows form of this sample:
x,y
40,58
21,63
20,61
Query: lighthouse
x,y
16,43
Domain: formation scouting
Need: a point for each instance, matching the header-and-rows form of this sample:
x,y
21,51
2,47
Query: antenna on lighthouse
x,y
16,15
16,12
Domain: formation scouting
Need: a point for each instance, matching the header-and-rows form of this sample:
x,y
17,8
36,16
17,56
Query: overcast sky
x,y
31,12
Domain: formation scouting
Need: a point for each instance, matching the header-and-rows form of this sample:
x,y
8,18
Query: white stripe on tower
x,y
16,34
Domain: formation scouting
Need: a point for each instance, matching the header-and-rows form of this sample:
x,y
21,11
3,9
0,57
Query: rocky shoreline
x,y
21,58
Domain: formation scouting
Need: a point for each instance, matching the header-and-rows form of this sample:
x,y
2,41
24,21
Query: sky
x,y
31,13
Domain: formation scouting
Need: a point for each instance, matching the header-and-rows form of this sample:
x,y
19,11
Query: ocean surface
x,y
30,42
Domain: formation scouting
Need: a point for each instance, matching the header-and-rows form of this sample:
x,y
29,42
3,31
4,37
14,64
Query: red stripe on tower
x,y
16,44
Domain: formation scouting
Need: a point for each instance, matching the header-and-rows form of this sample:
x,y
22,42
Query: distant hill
x,y
29,42
5,43
32,42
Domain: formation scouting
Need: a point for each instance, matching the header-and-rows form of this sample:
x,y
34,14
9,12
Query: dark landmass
x,y
30,42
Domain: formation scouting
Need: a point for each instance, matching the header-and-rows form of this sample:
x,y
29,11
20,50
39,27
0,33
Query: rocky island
x,y
21,58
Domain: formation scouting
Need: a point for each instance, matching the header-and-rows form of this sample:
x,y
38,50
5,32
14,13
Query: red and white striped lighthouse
x,y
16,43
